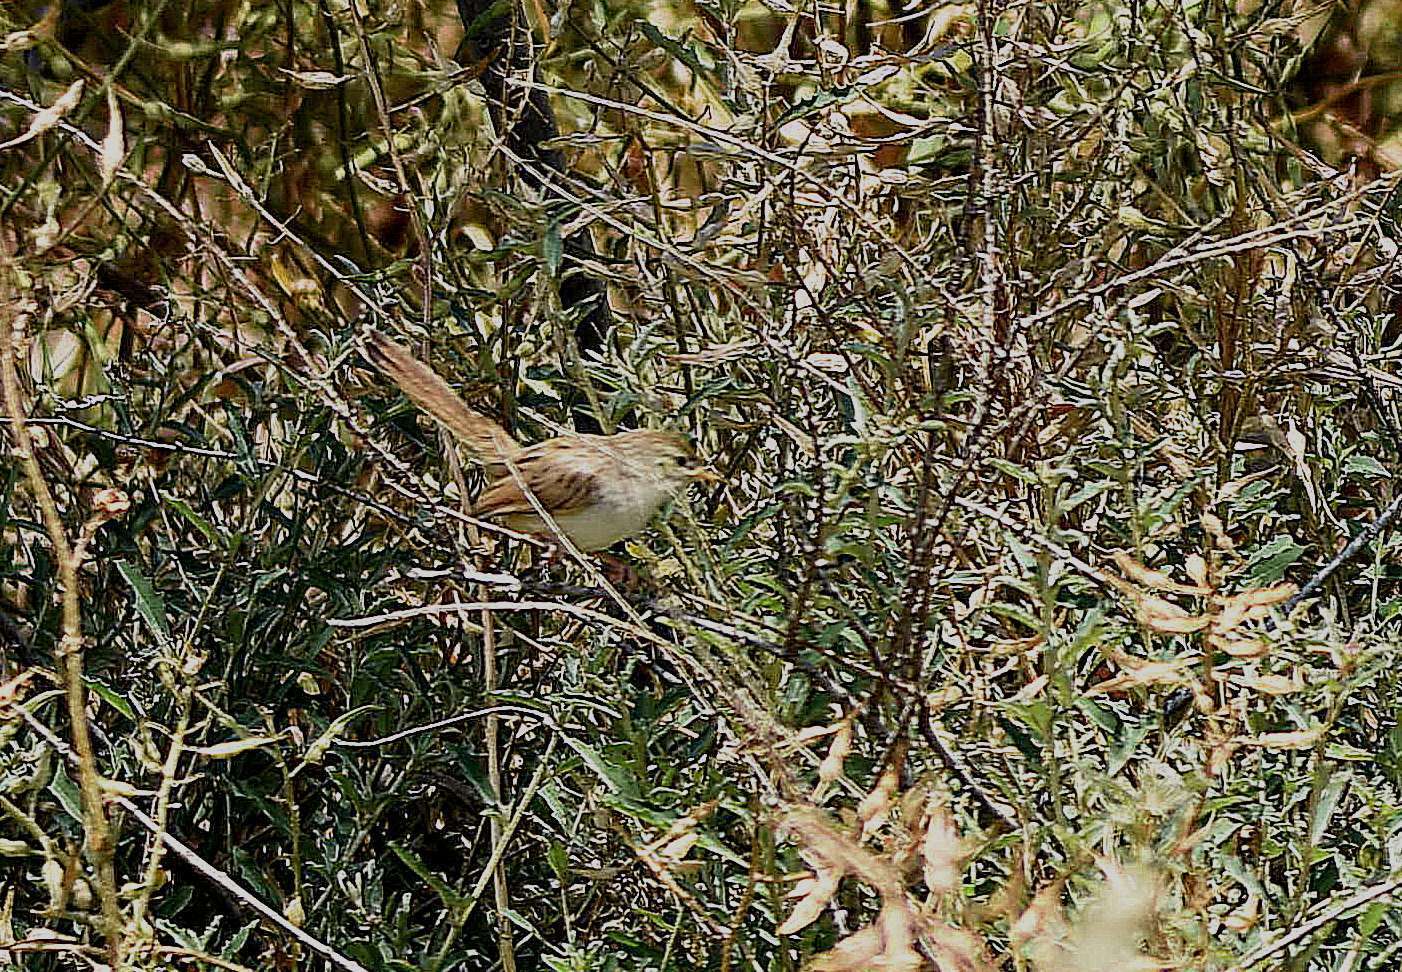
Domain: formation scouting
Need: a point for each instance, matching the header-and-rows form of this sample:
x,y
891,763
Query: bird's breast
x,y
621,509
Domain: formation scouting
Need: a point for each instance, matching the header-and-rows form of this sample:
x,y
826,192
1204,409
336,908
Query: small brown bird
x,y
597,488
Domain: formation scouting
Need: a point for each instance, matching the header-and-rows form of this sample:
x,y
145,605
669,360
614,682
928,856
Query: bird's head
x,y
669,455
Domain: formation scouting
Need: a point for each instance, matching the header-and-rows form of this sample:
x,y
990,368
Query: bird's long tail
x,y
488,441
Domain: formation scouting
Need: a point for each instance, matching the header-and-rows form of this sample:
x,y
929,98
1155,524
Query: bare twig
x,y
1351,903
97,831
182,850
1351,550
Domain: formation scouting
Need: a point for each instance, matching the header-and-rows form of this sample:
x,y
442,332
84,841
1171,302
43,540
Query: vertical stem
x,y
169,769
499,888
97,833
180,683
1051,646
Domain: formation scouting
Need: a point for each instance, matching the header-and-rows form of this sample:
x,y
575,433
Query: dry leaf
x,y
822,890
49,117
317,80
1228,619
810,734
897,925
1042,919
1032,689
876,805
1109,930
677,849
114,145
1297,447
110,503
1300,739
234,746
1212,526
119,788
1148,673
853,954
55,354
832,764
1168,618
1240,647
1268,684
43,29
941,852
1196,568
954,949
10,691
1243,919
1154,580
1017,646
1263,596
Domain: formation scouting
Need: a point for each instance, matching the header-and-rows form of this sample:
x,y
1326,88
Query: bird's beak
x,y
707,475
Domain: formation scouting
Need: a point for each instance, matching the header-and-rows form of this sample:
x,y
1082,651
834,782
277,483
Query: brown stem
x,y
96,829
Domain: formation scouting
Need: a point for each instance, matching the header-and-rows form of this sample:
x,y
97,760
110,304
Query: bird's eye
x,y
684,460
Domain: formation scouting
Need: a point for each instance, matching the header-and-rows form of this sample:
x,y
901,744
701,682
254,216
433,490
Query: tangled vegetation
x,y
1045,619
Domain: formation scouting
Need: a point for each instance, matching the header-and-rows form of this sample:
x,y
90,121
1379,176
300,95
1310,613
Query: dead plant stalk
x,y
97,832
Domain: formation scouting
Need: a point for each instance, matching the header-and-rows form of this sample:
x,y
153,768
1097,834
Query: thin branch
x,y
188,855
1351,903
96,829
1354,547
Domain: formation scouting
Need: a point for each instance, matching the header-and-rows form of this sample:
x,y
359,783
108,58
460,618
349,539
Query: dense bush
x,y
1046,349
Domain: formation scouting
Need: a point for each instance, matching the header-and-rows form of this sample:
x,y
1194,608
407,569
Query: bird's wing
x,y
487,440
560,486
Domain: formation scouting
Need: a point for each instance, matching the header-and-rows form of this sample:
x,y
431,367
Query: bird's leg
x,y
541,561
618,572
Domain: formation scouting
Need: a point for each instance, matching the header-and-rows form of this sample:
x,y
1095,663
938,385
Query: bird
x,y
598,489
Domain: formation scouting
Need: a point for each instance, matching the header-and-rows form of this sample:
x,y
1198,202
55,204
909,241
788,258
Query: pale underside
x,y
596,494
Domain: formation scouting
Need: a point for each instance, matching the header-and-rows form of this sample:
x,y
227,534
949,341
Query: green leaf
x,y
617,778
1035,715
474,768
1365,467
247,462
1269,563
450,897
550,794
1124,747
1346,753
237,942
1100,715
110,697
679,51
1025,743
1328,801
1016,471
663,820
67,793
148,603
816,103
552,247
1372,918
519,920
195,520
1088,491
926,149
558,860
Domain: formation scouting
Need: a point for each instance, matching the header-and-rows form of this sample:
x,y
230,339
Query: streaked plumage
x,y
597,488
